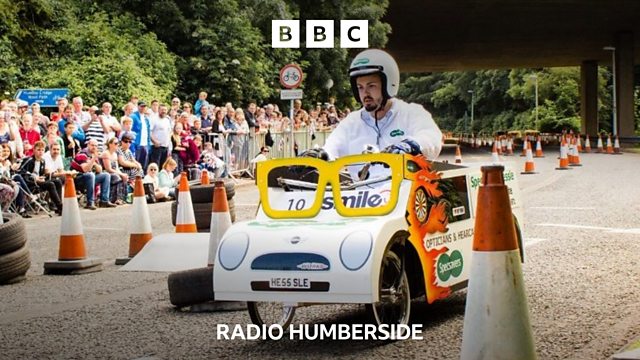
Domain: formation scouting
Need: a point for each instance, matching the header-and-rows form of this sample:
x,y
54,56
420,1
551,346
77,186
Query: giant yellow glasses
x,y
360,185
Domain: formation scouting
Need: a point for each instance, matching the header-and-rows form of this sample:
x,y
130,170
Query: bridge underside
x,y
450,35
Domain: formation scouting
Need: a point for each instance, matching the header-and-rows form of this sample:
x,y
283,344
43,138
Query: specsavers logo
x,y
361,199
449,265
361,61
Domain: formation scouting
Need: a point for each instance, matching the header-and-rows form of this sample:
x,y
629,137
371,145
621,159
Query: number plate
x,y
289,283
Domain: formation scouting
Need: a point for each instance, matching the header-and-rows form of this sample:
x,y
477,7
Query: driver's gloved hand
x,y
318,153
406,146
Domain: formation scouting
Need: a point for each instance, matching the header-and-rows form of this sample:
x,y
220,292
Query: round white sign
x,y
291,76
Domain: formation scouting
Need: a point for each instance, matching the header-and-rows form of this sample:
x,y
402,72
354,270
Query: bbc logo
x,y
319,34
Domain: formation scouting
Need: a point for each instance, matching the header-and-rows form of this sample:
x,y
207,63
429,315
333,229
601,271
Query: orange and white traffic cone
x,y
185,218
495,157
570,147
616,147
458,155
204,177
609,145
599,147
574,159
578,143
220,220
72,252
587,144
496,317
539,153
564,159
140,231
529,166
509,147
503,143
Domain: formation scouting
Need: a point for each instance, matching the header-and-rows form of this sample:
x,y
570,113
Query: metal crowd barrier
x,y
237,151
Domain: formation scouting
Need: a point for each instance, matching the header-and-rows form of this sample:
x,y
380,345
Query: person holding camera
x,y
96,127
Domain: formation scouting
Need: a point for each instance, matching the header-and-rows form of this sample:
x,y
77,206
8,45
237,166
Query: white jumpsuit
x,y
403,120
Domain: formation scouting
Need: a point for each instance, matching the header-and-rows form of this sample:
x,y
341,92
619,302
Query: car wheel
x,y
271,313
420,205
394,306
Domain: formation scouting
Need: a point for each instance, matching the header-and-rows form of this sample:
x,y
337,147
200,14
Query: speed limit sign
x,y
291,76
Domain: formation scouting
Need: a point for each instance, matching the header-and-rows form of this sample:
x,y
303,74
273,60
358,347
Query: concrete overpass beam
x,y
624,83
589,97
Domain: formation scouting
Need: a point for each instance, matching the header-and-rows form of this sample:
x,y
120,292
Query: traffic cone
x,y
529,166
458,155
220,220
503,142
185,218
578,143
495,158
587,144
539,153
509,147
570,150
72,253
496,320
140,230
204,177
574,159
599,149
564,159
609,146
616,147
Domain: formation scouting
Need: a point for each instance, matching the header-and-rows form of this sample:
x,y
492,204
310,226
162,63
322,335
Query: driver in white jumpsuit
x,y
384,121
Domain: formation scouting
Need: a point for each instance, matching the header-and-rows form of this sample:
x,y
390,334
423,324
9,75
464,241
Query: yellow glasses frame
x,y
328,173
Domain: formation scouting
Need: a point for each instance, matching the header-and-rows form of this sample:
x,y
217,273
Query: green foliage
x,y
505,99
114,59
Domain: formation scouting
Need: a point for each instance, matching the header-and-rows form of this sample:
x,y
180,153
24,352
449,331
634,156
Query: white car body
x,y
299,261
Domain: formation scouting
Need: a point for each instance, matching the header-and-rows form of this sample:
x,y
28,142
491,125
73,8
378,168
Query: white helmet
x,y
376,61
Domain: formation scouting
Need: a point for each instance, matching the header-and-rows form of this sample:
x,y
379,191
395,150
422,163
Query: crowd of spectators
x,y
104,153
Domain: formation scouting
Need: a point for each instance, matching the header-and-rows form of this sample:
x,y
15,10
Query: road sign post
x,y
290,78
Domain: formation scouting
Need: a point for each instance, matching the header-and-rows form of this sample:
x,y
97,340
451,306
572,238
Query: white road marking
x,y
561,208
588,227
532,241
104,228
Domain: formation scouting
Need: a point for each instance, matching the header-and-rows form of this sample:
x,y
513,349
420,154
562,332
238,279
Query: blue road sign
x,y
44,97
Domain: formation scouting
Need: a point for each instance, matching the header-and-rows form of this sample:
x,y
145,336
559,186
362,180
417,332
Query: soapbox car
x,y
375,229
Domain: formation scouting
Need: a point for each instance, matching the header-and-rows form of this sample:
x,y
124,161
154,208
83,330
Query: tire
x,y
204,193
202,212
14,265
394,306
191,287
12,233
270,313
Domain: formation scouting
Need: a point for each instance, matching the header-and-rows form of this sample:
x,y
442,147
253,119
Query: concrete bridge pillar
x,y
624,83
589,97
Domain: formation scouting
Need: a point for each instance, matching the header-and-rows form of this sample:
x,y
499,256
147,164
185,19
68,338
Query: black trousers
x,y
54,188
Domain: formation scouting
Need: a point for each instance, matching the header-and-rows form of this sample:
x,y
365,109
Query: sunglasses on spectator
x,y
126,141
152,169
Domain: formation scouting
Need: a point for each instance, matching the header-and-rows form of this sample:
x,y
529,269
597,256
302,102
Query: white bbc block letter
x,y
285,34
354,33
319,33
